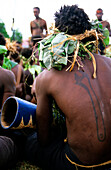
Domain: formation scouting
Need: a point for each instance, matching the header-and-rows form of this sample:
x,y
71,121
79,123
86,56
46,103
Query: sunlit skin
x,y
7,85
86,104
18,73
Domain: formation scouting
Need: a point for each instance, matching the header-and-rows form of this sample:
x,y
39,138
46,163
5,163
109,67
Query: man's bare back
x,y
86,104
81,90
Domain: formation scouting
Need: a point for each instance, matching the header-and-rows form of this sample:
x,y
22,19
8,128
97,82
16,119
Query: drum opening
x,y
9,111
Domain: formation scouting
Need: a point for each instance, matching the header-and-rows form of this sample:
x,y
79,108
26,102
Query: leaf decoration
x,y
8,64
3,49
106,35
98,26
54,50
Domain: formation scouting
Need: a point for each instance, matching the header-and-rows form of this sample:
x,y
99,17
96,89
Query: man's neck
x,y
100,19
37,17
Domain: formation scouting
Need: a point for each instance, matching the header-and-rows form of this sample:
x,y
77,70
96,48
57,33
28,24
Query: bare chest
x,y
38,24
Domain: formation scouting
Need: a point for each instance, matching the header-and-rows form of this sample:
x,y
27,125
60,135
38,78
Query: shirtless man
x,y
105,24
7,85
38,25
8,150
16,68
84,101
7,78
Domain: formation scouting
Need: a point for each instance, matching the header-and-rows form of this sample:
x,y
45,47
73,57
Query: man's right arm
x,y
43,113
31,27
9,85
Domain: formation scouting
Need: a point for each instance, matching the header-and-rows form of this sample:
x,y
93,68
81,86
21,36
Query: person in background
x,y
7,77
105,24
26,55
35,52
9,63
39,25
106,30
32,69
19,46
8,149
83,98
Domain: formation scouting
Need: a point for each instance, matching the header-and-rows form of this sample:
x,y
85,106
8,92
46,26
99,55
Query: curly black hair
x,y
72,20
26,52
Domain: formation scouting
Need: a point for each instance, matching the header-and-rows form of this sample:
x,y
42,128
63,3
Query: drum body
x,y
17,113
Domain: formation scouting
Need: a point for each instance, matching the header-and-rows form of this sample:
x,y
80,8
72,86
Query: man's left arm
x,y
108,26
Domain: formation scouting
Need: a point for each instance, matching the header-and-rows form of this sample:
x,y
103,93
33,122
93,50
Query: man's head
x,y
18,46
72,20
26,52
36,11
99,14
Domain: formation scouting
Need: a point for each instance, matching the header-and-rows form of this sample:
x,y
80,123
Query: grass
x,y
23,165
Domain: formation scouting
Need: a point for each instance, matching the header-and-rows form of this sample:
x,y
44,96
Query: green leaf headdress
x,y
55,49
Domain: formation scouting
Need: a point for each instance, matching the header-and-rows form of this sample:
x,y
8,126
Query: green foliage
x,y
108,51
24,165
98,26
8,64
3,49
106,35
57,114
16,36
3,30
54,50
32,68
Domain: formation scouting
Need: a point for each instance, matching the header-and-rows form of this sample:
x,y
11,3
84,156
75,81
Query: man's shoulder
x,y
5,71
45,77
17,66
43,20
45,74
105,22
103,58
32,21
6,74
